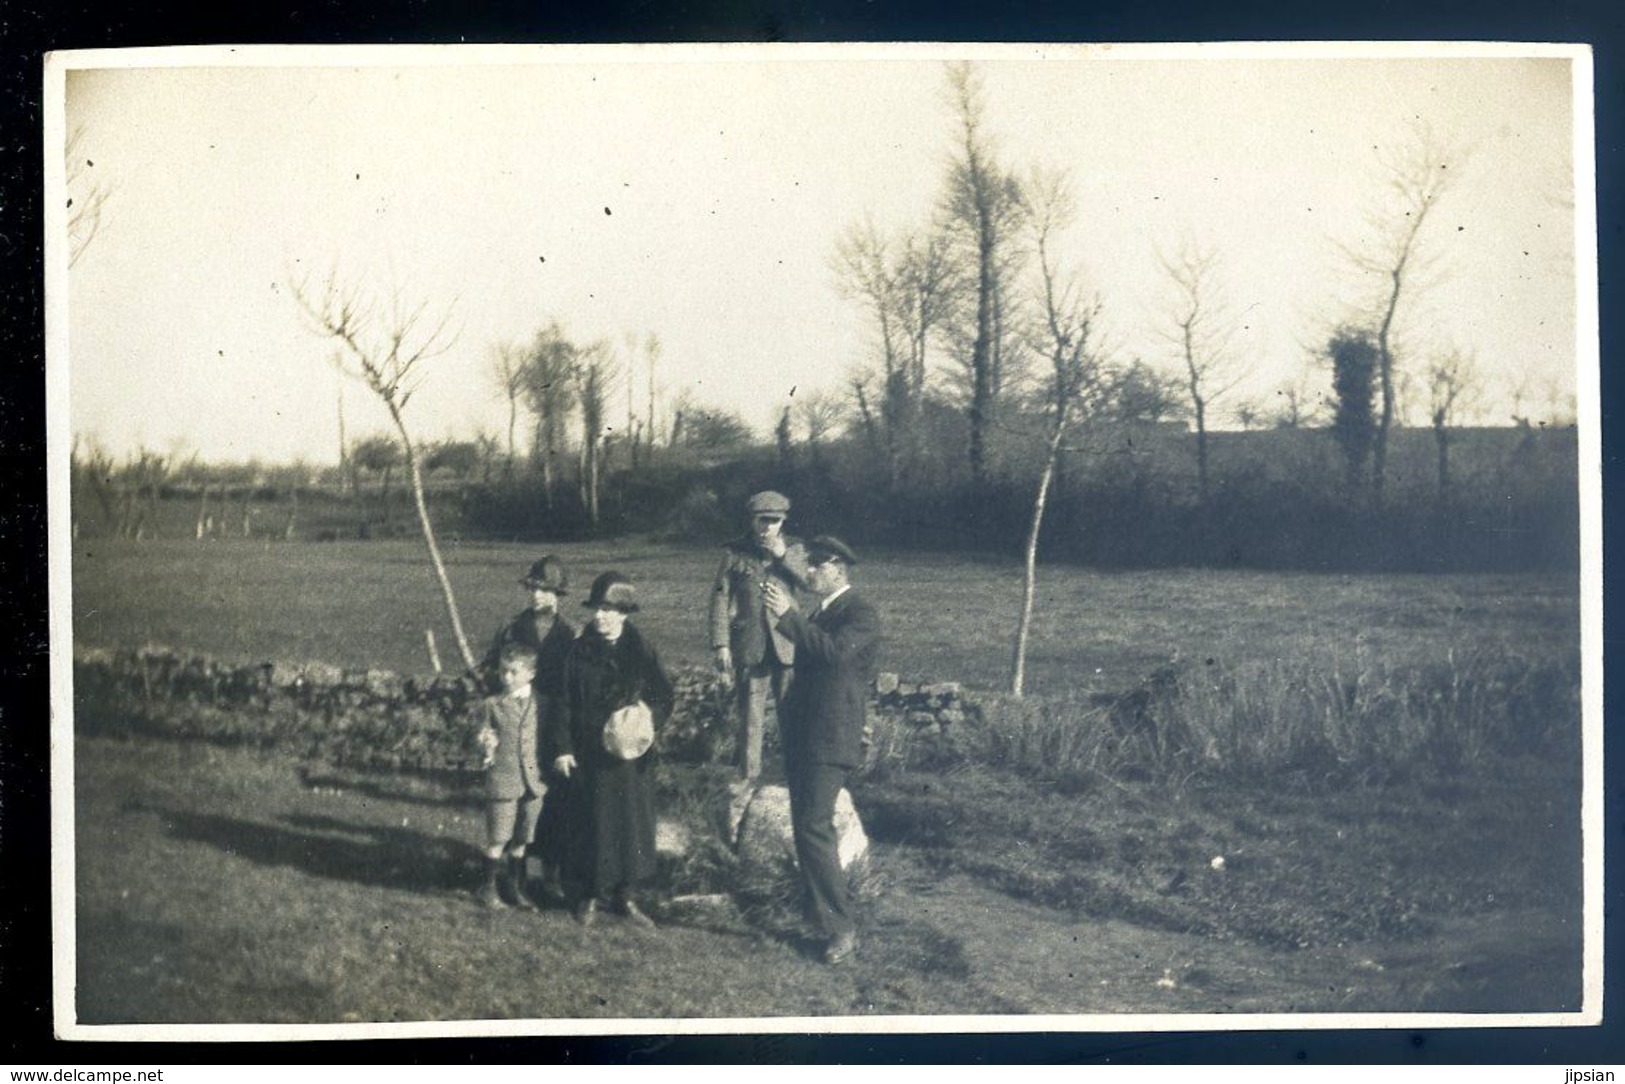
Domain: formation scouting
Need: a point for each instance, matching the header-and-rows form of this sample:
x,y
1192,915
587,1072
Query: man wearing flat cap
x,y
746,646
821,723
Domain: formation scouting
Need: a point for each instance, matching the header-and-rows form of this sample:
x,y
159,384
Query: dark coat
x,y
550,648
822,718
515,770
609,803
738,620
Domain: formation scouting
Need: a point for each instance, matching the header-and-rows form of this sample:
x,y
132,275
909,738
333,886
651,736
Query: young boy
x,y
509,732
540,626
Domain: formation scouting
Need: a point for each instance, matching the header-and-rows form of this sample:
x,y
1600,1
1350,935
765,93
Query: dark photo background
x,y
24,845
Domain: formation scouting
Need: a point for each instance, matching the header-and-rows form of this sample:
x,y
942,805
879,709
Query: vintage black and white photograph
x,y
612,539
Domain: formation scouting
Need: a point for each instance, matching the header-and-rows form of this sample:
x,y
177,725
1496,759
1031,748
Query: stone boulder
x,y
767,846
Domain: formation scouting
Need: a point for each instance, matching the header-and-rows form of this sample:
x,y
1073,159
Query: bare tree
x,y
1200,328
87,197
983,206
1248,414
1067,341
1417,173
1295,405
864,272
818,412
386,343
651,356
594,379
1452,382
144,473
508,361
926,283
377,455
550,387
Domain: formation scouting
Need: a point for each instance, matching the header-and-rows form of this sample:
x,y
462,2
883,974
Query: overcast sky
x,y
629,191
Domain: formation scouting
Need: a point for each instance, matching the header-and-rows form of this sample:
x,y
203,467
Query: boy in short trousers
x,y
508,733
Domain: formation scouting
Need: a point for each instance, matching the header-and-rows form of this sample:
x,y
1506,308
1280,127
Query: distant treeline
x,y
1129,498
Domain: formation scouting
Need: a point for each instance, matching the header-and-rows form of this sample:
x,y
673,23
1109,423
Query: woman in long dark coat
x,y
610,802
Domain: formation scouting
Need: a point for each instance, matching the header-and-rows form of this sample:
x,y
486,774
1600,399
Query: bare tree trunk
x,y
293,517
867,415
1441,439
593,454
202,514
583,486
429,539
513,421
1385,364
1201,448
1029,585
344,444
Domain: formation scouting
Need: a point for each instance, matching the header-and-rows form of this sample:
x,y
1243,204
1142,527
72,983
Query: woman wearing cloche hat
x,y
602,750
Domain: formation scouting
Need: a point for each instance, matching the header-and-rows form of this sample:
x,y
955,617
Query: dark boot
x,y
552,884
490,895
634,914
516,883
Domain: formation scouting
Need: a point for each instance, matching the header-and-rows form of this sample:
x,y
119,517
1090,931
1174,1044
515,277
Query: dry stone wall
x,y
383,720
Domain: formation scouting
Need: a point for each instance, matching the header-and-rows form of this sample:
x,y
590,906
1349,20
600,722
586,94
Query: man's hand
x,y
565,765
777,600
488,746
723,660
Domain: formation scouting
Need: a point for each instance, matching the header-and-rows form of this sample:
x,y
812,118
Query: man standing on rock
x,y
821,723
748,650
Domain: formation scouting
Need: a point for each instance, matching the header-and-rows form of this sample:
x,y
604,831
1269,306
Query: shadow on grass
x,y
424,788
367,854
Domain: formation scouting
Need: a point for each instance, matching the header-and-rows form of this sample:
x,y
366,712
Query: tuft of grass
x,y
1355,721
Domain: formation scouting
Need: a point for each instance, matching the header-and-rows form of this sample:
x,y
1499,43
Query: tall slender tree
x,y
864,271
508,363
550,388
594,379
1200,328
1452,380
983,207
385,343
1067,340
1417,171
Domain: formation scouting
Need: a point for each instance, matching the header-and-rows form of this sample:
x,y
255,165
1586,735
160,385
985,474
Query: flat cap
x,y
826,546
769,503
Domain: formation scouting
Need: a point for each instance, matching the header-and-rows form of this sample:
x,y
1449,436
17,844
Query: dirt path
x,y
214,886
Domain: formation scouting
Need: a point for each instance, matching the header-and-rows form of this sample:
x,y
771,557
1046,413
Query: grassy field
x,y
366,604
228,885
219,886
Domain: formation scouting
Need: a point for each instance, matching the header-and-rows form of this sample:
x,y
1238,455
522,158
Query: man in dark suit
x,y
821,722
